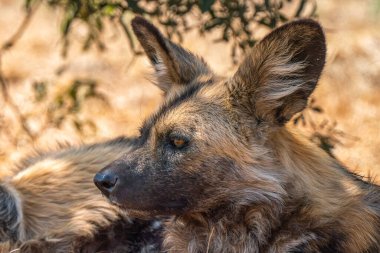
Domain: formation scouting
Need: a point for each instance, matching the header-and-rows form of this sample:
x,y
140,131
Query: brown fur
x,y
219,157
51,205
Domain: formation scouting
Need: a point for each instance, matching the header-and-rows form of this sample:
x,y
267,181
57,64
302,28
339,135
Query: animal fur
x,y
219,157
50,205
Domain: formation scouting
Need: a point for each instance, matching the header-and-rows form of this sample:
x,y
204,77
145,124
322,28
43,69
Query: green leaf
x,y
110,10
212,23
205,5
40,91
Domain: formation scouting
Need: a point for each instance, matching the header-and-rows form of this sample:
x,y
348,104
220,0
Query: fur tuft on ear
x,y
174,65
277,77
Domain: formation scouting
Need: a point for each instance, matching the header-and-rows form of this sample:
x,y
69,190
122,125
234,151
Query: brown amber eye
x,y
178,142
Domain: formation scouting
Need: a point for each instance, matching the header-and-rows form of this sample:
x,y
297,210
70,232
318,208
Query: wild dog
x,y
50,205
219,157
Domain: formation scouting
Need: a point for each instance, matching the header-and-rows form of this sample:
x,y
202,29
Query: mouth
x,y
148,209
136,213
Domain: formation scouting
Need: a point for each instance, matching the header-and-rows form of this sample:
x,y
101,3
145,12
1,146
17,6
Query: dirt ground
x,y
349,91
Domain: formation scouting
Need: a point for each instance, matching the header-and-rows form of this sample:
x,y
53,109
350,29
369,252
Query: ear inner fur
x,y
282,71
174,65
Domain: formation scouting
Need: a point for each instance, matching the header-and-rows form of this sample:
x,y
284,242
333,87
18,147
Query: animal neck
x,y
310,172
329,198
228,228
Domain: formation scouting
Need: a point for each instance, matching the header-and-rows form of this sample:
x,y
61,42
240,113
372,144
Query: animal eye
x,y
178,142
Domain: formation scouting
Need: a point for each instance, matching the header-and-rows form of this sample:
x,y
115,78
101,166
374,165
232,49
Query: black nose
x,y
106,181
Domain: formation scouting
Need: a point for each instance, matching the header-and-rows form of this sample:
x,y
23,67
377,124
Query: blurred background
x,y
71,71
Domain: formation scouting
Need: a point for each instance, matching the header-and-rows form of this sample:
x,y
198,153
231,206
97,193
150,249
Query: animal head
x,y
206,145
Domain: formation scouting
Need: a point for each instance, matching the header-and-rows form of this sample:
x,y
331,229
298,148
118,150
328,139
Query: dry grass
x,y
349,91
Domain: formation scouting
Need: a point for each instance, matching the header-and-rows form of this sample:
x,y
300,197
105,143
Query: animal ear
x,y
174,66
277,77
